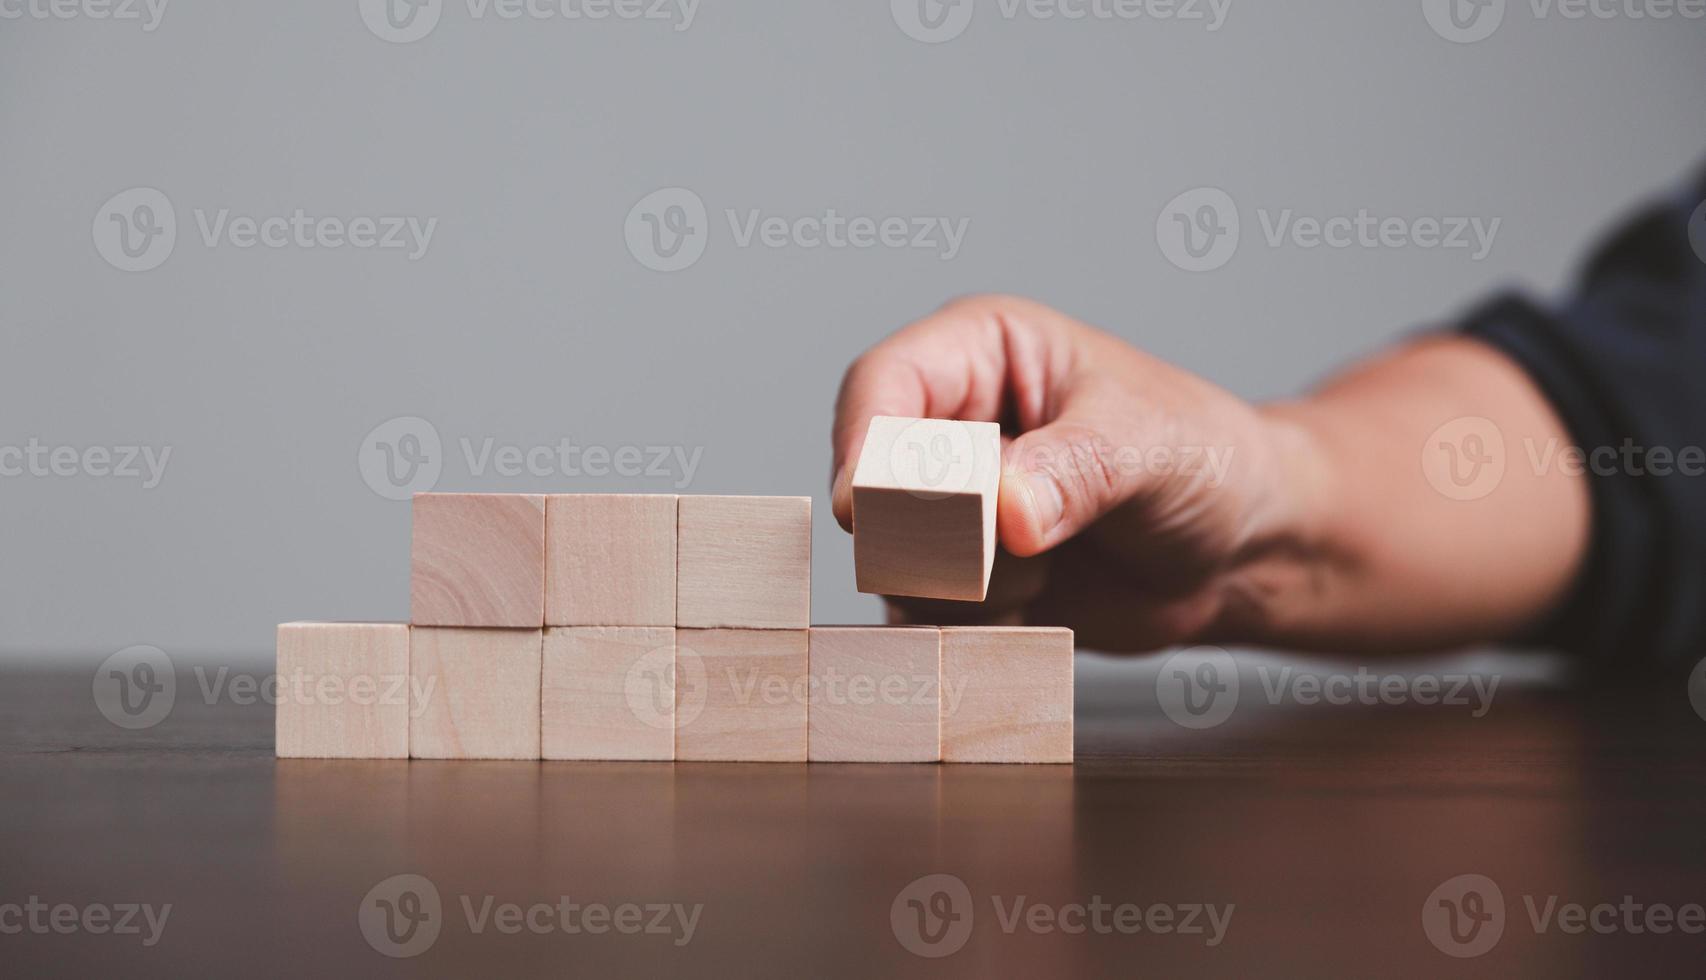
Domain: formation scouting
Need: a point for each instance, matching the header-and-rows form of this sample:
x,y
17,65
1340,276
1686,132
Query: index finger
x,y
950,364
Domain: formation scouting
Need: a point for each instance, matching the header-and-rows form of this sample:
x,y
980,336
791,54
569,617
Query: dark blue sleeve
x,y
1624,363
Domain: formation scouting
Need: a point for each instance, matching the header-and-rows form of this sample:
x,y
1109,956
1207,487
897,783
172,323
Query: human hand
x,y
1146,491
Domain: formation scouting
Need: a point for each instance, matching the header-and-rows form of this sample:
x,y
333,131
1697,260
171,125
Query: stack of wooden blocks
x,y
657,627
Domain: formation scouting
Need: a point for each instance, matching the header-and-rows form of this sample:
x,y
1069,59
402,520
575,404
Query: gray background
x,y
528,321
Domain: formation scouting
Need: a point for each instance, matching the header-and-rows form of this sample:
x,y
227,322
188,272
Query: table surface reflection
x,y
1325,827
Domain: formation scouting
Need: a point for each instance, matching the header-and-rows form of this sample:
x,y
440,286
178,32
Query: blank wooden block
x,y
609,693
610,559
744,562
478,560
740,695
924,495
483,702
343,691
875,694
1014,691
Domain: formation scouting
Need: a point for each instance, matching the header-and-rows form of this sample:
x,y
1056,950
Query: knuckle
x,y
982,305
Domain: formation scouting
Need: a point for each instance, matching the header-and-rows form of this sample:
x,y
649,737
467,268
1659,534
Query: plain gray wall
x,y
528,321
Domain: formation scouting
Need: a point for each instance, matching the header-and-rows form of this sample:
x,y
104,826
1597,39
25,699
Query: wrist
x,y
1282,580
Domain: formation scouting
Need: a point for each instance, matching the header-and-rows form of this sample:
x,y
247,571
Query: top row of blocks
x,y
524,561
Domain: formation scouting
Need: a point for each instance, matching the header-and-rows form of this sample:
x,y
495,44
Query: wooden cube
x,y
343,691
744,563
875,694
478,559
740,695
609,693
1006,694
610,559
924,495
479,693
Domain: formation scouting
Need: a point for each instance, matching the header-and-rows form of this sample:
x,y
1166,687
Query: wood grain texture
x,y
478,559
483,698
875,694
740,695
1013,690
343,691
924,501
744,562
610,559
609,693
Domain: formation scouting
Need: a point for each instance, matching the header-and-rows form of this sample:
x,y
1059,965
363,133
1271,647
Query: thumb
x,y
1059,479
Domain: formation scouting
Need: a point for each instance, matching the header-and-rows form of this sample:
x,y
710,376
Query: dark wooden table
x,y
1331,830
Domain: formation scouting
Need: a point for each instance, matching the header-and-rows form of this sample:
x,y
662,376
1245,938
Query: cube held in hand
x,y
924,494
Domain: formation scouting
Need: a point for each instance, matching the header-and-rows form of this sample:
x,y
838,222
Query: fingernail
x,y
1045,495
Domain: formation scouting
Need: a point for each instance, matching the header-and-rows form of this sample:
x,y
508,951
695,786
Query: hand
x,y
1149,488
1144,507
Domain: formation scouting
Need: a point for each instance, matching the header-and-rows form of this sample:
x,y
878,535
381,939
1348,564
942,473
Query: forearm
x,y
1370,553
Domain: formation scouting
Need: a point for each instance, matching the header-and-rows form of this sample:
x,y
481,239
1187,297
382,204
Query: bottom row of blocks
x,y
827,694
